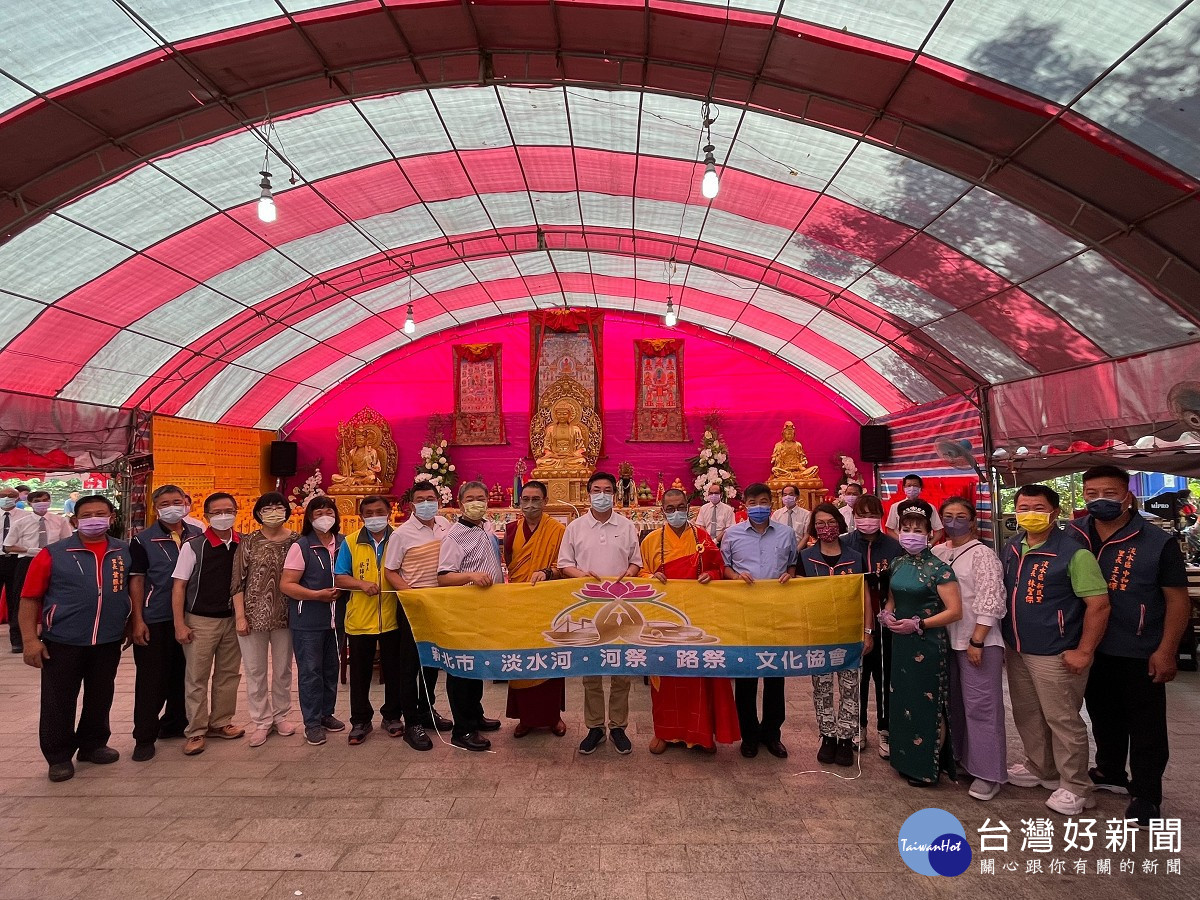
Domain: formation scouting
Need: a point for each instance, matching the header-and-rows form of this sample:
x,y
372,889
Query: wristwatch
x,y
978,645
868,631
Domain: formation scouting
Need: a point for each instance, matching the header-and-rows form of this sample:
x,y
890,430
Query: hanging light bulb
x,y
710,183
410,324
266,201
670,318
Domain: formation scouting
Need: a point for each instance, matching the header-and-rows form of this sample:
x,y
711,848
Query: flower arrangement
x,y
711,464
850,470
435,466
311,487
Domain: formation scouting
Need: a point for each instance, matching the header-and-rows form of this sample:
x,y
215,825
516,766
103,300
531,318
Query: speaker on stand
x,y
875,447
282,461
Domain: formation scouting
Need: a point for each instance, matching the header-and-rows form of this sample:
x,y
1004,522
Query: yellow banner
x,y
640,626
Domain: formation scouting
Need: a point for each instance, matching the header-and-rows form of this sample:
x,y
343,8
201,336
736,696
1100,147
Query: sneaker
x,y
827,752
844,755
1143,811
415,737
983,790
260,735
227,732
885,748
594,738
860,743
143,752
193,745
1104,783
620,740
329,723
314,734
1019,776
358,733
284,729
1069,804
394,727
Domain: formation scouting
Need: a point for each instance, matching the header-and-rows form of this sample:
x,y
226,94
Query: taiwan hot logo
x,y
619,612
933,842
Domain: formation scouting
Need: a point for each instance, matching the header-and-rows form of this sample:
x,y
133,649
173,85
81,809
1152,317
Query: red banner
x,y
658,406
478,420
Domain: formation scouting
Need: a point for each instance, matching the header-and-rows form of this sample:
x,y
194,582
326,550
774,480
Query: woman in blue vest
x,y
307,582
829,556
923,598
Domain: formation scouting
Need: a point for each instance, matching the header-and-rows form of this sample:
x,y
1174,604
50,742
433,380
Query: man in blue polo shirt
x,y
754,550
1126,692
77,591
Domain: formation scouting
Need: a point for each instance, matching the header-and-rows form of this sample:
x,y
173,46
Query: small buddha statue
x,y
563,444
788,462
360,467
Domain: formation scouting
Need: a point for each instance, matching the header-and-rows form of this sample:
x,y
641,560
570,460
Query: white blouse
x,y
981,580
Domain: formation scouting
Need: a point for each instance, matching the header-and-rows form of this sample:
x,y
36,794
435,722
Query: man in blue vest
x,y
158,656
1126,691
1057,611
77,591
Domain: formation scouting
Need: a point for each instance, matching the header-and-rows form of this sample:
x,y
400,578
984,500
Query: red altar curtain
x,y
658,384
565,342
478,418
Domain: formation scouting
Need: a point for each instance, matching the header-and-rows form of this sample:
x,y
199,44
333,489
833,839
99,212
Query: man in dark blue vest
x,y
158,656
1126,691
77,592
1057,611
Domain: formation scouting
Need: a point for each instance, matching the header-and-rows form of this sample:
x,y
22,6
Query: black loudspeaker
x,y
875,443
283,459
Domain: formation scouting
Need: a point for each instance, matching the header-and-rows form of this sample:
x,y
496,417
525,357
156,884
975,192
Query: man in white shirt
x,y
33,531
716,515
10,515
411,563
911,486
603,545
848,494
792,514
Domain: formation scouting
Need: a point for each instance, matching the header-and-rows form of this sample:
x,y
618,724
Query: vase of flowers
x,y
711,463
436,468
301,495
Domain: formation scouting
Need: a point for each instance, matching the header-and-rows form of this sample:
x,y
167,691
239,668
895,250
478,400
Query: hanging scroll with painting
x,y
658,382
478,420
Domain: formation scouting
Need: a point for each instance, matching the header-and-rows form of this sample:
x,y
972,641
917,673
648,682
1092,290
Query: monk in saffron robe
x,y
696,712
530,552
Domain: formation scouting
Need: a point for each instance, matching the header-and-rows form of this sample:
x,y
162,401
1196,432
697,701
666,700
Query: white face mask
x,y
375,524
324,524
222,522
172,515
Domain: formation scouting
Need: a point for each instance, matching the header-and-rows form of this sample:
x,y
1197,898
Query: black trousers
x,y
877,666
1129,721
68,668
466,703
12,596
427,693
399,677
160,670
745,693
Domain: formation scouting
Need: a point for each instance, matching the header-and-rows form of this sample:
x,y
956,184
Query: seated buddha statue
x,y
563,446
360,466
788,462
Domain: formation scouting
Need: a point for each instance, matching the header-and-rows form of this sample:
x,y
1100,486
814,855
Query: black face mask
x,y
1105,510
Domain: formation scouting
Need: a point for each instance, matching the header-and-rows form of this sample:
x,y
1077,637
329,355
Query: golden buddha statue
x,y
359,465
366,458
564,440
563,445
789,465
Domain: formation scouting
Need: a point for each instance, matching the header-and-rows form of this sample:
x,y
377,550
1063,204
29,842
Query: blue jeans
x,y
316,673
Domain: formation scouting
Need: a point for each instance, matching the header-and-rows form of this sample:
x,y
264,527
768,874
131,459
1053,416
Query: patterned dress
x,y
920,684
257,568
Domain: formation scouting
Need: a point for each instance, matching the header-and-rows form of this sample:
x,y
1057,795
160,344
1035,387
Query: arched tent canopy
x,y
918,199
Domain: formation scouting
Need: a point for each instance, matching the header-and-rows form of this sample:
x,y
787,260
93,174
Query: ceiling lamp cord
x,y
670,319
266,199
710,183
410,324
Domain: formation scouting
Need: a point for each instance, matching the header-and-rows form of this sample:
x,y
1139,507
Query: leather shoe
x,y
63,771
440,722
749,749
560,728
415,737
471,741
101,756
776,748
143,752
486,724
521,730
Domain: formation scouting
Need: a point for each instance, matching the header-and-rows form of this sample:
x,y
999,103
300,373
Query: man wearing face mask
x,y
848,494
411,563
1126,690
9,517
202,608
29,535
715,515
602,545
77,591
470,554
373,622
22,496
911,487
793,515
158,656
1058,609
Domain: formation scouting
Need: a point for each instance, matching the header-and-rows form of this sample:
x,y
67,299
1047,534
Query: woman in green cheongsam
x,y
923,598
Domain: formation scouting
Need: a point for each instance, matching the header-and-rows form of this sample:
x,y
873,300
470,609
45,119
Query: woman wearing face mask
x,y
307,582
977,668
877,549
828,556
923,598
261,618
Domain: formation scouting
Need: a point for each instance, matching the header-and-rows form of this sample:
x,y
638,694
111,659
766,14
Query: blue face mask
x,y
758,514
677,519
1104,509
425,509
602,503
